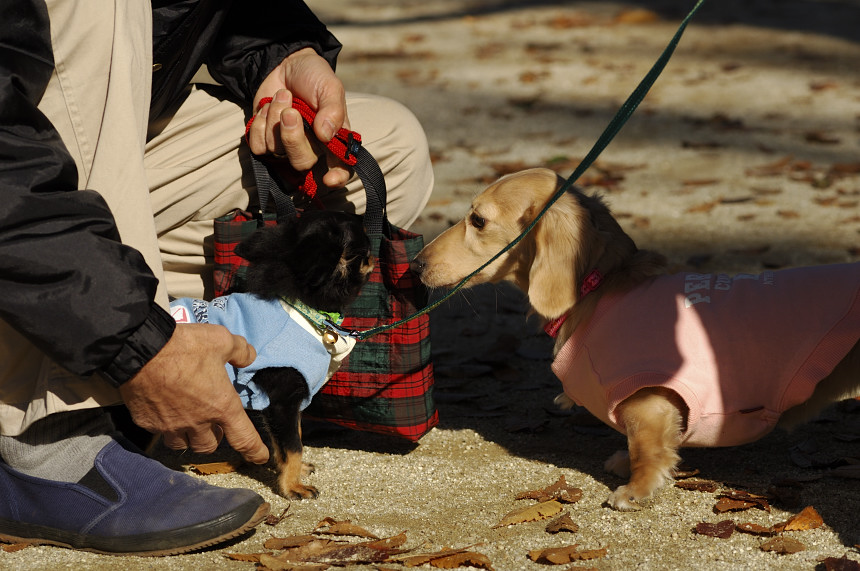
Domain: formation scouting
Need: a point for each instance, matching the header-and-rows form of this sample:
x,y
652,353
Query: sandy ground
x,y
744,157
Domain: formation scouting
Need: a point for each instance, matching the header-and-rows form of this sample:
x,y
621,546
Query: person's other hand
x,y
278,129
185,394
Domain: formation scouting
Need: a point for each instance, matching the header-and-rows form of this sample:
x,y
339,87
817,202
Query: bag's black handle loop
x,y
269,185
346,143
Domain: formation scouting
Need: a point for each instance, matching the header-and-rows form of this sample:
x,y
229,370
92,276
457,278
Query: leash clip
x,y
333,327
353,145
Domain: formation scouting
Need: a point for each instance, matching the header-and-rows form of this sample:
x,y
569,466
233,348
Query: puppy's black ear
x,y
263,244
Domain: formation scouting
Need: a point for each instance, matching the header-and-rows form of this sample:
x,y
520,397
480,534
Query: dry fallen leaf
x,y
562,523
464,559
723,529
279,563
534,512
12,547
755,529
729,505
292,541
821,137
683,472
448,559
783,545
246,557
845,169
698,485
735,500
560,491
840,564
806,519
329,526
561,555
272,519
637,16
704,207
214,468
305,551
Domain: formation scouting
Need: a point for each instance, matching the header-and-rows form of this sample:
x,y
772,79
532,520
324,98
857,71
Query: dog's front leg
x,y
653,424
286,389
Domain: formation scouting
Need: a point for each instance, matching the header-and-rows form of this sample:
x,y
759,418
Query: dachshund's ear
x,y
263,244
561,245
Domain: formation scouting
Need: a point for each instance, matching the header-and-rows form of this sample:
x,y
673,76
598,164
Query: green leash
x,y
618,121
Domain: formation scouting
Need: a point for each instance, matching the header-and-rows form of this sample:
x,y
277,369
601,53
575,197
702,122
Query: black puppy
x,y
320,259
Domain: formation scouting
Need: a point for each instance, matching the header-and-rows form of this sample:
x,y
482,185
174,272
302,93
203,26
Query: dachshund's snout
x,y
418,265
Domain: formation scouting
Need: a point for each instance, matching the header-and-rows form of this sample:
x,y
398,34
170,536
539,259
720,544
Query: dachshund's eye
x,y
477,221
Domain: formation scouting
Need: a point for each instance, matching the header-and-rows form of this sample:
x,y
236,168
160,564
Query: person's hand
x,y
278,129
184,393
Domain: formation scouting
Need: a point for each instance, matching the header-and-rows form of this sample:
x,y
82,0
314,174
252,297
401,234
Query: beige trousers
x,y
166,183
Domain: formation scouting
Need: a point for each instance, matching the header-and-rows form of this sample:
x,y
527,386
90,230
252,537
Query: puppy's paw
x,y
563,402
624,499
308,469
300,492
618,464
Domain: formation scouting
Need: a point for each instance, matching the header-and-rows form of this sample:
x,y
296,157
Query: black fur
x,y
300,259
321,258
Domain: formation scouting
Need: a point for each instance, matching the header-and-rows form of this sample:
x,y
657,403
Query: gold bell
x,y
330,337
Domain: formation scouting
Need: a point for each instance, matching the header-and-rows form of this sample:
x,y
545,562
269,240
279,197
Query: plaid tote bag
x,y
385,384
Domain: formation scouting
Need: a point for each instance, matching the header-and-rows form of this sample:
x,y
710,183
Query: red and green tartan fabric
x,y
229,270
385,384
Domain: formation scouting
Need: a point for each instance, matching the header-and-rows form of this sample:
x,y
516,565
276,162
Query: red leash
x,y
343,145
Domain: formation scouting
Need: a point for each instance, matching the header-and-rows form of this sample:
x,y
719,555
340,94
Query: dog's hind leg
x,y
286,389
653,424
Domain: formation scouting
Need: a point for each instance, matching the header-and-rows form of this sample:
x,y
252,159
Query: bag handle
x,y
346,146
268,185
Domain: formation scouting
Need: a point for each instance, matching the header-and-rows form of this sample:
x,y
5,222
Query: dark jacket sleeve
x,y
257,36
240,43
67,283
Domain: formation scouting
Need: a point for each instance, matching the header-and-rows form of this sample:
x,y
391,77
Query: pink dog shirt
x,y
739,350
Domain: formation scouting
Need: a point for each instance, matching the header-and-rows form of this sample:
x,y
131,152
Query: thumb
x,y
331,115
243,436
242,353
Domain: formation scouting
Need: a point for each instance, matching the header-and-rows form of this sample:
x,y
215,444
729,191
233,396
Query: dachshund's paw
x,y
563,402
623,499
308,469
618,464
300,492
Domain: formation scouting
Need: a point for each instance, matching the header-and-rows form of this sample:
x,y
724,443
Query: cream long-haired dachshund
x,y
669,360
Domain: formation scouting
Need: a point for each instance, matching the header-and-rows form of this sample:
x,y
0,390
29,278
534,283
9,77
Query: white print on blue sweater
x,y
280,341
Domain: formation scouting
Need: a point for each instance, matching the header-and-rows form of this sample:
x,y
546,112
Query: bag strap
x,y
268,185
346,146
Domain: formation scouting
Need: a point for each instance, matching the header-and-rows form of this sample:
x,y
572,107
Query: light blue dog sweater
x,y
279,339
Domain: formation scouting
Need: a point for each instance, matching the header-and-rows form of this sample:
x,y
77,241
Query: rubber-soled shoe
x,y
127,504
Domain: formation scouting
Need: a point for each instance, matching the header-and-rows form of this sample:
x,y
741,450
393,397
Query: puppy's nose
x,y
417,265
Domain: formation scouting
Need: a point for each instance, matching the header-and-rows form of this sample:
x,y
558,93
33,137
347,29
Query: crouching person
x,y
115,165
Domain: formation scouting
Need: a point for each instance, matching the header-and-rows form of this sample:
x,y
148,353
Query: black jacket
x,y
67,283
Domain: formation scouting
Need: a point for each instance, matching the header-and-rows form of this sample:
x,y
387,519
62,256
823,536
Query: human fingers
x,y
203,439
243,436
175,440
256,133
294,140
337,174
242,353
281,101
331,110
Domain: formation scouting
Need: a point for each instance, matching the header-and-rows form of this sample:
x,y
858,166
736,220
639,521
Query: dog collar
x,y
327,322
591,282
